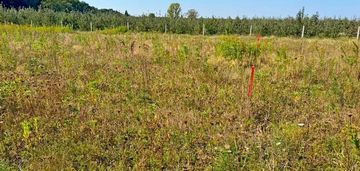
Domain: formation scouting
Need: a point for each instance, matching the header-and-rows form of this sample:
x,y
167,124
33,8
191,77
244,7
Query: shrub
x,y
117,30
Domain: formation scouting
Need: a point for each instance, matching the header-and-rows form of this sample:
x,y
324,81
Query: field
x,y
146,101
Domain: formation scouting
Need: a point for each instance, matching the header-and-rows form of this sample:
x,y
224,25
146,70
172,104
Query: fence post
x,y
61,23
303,32
358,33
165,28
91,26
128,26
31,23
251,27
203,31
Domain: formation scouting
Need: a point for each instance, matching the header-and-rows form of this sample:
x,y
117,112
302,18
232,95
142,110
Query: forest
x,y
81,16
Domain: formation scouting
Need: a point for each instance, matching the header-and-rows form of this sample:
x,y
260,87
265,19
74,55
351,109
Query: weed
x,y
93,101
116,30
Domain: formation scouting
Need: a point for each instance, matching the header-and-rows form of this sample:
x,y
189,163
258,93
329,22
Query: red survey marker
x,y
251,80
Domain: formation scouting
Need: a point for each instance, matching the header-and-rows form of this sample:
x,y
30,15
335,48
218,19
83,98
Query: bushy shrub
x,y
117,30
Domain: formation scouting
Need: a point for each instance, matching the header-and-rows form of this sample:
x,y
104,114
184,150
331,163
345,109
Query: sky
x,y
233,8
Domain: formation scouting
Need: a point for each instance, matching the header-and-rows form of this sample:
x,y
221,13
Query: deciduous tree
x,y
174,11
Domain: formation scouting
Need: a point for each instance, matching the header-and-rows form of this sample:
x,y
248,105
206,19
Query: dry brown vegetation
x,y
88,101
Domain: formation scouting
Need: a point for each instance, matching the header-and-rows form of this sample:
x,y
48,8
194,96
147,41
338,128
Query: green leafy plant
x,y
26,129
231,49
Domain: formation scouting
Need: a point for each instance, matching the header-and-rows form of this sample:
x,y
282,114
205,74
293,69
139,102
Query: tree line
x,y
78,15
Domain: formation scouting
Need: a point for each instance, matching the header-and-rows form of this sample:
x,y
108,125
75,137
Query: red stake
x,y
251,80
258,37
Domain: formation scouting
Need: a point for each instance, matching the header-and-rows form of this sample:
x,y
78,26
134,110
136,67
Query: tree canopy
x,y
20,3
78,15
174,11
67,5
55,5
192,14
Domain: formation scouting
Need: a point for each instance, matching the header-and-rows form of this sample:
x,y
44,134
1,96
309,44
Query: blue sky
x,y
233,8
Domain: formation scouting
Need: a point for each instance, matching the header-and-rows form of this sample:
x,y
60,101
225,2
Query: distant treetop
x,y
20,3
174,11
127,13
67,5
56,5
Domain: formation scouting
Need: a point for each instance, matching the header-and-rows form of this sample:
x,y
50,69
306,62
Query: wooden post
x,y
251,27
165,28
303,32
31,23
61,23
358,33
128,25
302,42
203,30
91,26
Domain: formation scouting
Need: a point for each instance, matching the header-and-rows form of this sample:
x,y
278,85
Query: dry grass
x,y
88,101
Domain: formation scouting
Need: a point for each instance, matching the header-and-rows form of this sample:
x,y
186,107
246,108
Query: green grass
x,y
20,28
117,30
89,101
4,167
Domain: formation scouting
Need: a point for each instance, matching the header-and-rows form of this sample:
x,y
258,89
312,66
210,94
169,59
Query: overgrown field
x,y
87,101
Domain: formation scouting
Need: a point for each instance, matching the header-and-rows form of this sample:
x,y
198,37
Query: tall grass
x,y
150,101
24,28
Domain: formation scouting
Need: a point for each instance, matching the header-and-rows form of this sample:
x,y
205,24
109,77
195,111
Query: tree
x,y
300,15
192,14
315,17
152,15
127,13
67,5
20,3
174,11
32,3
